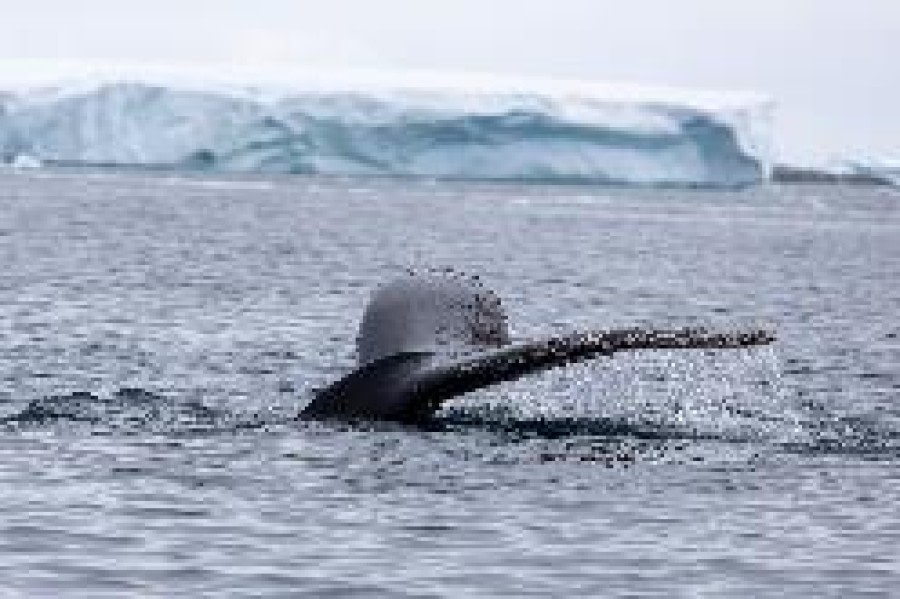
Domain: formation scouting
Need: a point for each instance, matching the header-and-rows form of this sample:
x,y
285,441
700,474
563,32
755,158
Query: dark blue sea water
x,y
159,333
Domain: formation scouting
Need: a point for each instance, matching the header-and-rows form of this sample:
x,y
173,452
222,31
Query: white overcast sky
x,y
832,66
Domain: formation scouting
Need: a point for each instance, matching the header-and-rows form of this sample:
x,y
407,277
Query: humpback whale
x,y
426,338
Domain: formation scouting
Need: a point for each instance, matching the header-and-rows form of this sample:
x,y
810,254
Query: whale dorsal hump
x,y
431,312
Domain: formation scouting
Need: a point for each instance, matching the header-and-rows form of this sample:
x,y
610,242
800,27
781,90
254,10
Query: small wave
x,y
826,433
126,409
514,428
815,431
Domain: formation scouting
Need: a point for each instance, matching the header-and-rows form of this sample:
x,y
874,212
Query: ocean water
x,y
158,334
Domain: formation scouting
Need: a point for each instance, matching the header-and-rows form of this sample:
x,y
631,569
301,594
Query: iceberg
x,y
21,161
880,172
435,125
884,171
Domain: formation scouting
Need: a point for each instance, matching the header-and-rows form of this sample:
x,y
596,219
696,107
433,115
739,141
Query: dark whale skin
x,y
428,338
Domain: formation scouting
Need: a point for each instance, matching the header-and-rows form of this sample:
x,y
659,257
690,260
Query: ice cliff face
x,y
398,126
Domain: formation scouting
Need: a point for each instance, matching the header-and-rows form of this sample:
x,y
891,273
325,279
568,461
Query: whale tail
x,y
449,380
427,339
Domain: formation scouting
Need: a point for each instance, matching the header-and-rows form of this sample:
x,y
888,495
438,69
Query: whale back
x,y
431,313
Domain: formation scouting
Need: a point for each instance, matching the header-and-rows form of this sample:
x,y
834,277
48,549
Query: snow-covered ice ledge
x,y
441,125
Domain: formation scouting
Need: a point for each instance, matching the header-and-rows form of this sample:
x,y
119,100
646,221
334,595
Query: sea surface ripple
x,y
159,333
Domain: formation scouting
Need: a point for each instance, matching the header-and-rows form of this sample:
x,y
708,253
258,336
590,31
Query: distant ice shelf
x,y
848,172
409,124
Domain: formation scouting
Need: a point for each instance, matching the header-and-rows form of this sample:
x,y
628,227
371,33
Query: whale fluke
x,y
428,338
